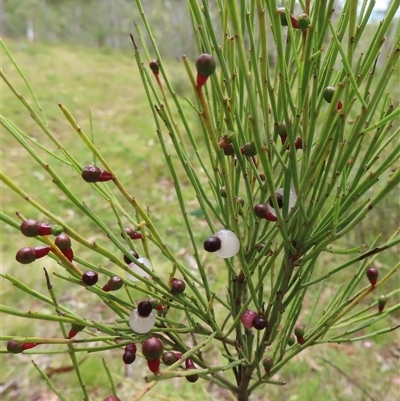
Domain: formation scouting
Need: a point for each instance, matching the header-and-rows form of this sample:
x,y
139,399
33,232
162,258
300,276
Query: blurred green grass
x,y
108,82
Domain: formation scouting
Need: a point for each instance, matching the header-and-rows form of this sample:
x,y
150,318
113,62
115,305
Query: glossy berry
x,y
169,358
268,363
154,67
372,274
90,278
75,329
139,324
29,228
154,365
144,308
230,244
205,65
29,255
63,241
328,93
270,216
15,348
128,357
92,174
132,234
279,199
113,284
44,229
259,323
177,286
381,303
152,348
189,365
260,210
212,244
134,254
303,21
248,317
131,348
112,398
248,149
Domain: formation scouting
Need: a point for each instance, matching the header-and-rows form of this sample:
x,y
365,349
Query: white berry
x,y
141,325
229,244
138,269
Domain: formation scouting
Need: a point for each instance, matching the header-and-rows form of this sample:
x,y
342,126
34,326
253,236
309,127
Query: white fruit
x,y
229,244
138,269
141,325
292,200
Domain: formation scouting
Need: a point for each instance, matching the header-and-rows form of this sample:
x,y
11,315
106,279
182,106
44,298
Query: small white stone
x,y
230,244
138,269
141,325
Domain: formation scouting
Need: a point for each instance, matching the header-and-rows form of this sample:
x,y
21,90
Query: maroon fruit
x,y
152,348
226,145
63,241
177,286
212,244
68,253
247,318
132,234
260,210
154,67
269,216
154,365
134,254
205,65
29,228
112,398
169,358
298,143
44,229
144,308
279,200
259,323
190,365
90,278
113,284
299,333
372,274
128,357
131,348
92,174
29,255
16,348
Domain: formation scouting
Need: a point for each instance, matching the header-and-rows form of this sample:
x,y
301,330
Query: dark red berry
x,y
381,303
279,200
205,64
114,283
132,234
269,216
41,251
14,347
105,176
260,210
144,308
339,105
135,255
90,278
372,274
154,365
68,253
190,365
154,67
128,357
169,358
112,398
29,255
259,323
29,228
268,363
226,145
299,333
131,348
212,244
91,173
152,348
298,143
295,25
63,241
177,286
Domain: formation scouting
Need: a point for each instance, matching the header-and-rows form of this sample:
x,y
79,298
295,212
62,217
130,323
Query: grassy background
x,y
108,82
